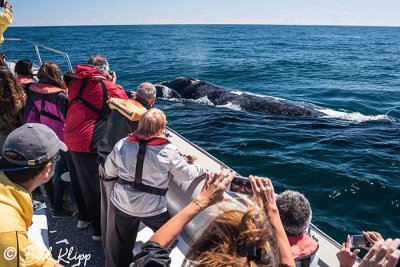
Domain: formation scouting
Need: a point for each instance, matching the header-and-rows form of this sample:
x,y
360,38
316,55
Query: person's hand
x,y
372,238
112,76
190,158
214,188
345,256
263,193
8,6
383,253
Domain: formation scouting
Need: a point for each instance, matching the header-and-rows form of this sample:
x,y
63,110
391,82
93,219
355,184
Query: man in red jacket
x,y
85,126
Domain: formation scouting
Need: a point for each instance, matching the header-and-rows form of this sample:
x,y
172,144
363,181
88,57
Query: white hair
x,y
100,63
295,212
146,91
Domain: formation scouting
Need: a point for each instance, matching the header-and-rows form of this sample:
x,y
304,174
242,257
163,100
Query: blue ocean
x,y
346,162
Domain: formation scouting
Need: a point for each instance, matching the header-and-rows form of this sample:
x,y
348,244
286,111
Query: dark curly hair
x,y
12,97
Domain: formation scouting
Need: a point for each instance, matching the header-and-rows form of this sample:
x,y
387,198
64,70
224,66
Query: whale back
x,y
189,88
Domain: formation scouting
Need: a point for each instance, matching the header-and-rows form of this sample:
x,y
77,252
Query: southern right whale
x,y
188,88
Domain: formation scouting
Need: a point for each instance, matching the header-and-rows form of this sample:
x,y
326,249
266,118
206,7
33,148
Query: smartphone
x,y
241,185
358,241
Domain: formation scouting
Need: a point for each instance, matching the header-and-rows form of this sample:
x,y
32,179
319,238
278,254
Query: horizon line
x,y
199,24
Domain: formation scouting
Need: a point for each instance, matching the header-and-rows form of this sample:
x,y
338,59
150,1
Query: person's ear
x,y
47,171
153,100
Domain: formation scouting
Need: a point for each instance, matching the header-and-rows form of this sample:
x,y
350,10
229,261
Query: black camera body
x,y
2,3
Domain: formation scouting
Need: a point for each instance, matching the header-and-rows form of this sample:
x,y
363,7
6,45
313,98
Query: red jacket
x,y
84,128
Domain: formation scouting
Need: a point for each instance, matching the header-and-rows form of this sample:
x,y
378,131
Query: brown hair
x,y
24,67
151,122
49,72
228,238
68,77
12,97
2,61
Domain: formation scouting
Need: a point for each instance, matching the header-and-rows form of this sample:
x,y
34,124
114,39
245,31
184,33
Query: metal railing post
x,y
38,55
37,46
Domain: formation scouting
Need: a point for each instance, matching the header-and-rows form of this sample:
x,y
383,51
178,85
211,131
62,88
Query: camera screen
x,y
358,241
241,185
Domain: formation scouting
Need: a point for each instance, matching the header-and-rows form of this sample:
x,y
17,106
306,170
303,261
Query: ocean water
x,y
346,163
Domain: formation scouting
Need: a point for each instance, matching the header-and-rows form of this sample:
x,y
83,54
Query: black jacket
x,y
118,127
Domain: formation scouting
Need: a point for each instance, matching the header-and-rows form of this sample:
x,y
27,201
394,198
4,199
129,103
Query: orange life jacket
x,y
130,108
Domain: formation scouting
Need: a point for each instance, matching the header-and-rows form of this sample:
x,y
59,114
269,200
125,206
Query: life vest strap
x,y
44,113
144,188
101,112
137,184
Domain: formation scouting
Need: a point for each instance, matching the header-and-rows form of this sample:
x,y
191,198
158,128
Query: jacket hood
x,y
86,71
15,204
45,88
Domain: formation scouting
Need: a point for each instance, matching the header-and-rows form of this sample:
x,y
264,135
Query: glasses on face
x,y
241,185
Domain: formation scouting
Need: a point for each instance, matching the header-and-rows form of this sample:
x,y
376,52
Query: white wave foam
x,y
202,100
231,106
167,92
254,94
236,92
354,116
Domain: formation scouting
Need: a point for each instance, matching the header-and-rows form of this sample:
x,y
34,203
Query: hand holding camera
x,y
112,76
383,253
6,5
260,188
372,238
214,188
345,256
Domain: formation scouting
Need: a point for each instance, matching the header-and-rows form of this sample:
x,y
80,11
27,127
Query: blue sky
x,y
292,12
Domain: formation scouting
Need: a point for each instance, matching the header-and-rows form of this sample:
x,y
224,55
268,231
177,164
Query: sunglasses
x,y
241,185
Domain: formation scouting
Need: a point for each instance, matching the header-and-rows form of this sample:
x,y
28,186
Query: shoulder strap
x,y
137,184
43,112
140,161
101,112
105,108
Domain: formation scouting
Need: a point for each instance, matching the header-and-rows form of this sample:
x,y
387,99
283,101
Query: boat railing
x,y
37,48
323,234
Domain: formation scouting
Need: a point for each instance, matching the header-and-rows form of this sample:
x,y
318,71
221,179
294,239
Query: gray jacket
x,y
160,162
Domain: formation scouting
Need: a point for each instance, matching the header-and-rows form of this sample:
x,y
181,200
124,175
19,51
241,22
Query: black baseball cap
x,y
30,146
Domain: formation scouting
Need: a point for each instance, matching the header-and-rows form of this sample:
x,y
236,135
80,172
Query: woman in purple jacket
x,y
47,103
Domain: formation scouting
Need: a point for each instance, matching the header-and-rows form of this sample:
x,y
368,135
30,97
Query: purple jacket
x,y
47,104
